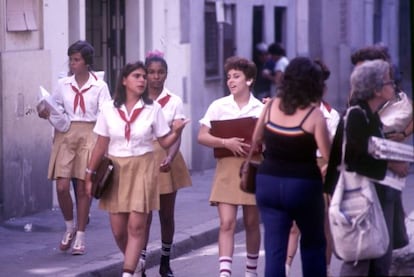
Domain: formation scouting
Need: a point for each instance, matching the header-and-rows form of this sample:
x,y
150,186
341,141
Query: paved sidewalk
x,y
34,252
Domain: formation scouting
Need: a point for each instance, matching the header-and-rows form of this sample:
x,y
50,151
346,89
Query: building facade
x,y
196,37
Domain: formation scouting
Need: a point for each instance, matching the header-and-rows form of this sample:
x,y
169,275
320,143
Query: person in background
x,y
126,129
265,66
402,129
289,182
332,118
371,87
397,123
278,55
173,173
82,95
225,193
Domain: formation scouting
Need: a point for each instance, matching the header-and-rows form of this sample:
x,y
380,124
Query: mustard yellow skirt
x,y
71,151
178,177
133,186
226,184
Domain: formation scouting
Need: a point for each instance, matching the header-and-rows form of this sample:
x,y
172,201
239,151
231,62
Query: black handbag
x,y
102,178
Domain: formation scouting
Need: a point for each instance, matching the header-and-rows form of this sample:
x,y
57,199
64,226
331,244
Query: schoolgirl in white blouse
x,y
173,173
226,193
126,128
81,95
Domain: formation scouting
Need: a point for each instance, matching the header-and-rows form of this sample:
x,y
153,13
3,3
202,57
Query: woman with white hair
x,y
371,87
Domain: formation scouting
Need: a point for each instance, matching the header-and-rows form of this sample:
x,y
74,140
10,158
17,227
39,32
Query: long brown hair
x,y
120,91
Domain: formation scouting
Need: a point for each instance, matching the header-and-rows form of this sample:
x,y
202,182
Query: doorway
x,y
105,30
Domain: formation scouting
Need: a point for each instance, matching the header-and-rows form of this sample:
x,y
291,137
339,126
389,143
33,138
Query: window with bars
x,y
211,43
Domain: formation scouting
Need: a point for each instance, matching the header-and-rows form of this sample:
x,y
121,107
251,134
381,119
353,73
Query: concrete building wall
x,y
346,26
56,37
25,137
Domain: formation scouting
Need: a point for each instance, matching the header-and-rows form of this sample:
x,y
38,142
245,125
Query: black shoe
x,y
165,269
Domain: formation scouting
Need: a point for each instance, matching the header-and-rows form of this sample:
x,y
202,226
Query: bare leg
x,y
64,198
166,213
119,226
135,242
292,246
83,205
328,235
252,226
227,214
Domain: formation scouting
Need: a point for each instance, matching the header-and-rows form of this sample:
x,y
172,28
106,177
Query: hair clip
x,y
155,53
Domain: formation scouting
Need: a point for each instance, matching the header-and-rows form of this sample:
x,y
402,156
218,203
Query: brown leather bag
x,y
249,183
102,178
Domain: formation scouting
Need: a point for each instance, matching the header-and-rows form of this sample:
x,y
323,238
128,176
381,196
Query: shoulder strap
x,y
348,111
268,109
306,116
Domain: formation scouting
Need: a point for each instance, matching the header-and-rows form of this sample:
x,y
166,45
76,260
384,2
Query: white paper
x,y
57,116
385,149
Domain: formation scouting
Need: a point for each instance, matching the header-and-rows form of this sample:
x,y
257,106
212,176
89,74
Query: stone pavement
x,y
29,244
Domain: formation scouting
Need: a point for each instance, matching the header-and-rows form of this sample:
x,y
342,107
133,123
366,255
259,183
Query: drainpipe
x,y
412,40
141,29
220,22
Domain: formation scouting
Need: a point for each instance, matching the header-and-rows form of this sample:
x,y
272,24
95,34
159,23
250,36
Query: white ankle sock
x,y
287,269
80,235
225,266
69,225
251,264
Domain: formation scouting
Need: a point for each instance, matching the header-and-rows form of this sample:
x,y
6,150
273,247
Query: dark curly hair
x,y
302,84
370,53
276,49
120,92
85,49
244,65
325,70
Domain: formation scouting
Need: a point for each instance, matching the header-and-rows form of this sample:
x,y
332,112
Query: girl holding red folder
x,y
225,193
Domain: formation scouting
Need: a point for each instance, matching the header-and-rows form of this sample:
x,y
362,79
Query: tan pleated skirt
x,y
226,183
71,151
133,186
178,177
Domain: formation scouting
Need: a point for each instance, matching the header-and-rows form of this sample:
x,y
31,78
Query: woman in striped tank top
x,y
289,182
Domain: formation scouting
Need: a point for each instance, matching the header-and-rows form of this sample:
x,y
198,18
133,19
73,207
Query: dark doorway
x,y
258,22
105,29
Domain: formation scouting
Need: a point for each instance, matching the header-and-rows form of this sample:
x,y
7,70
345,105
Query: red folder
x,y
240,127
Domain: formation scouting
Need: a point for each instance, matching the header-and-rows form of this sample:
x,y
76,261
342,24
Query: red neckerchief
x,y
164,100
134,116
327,106
79,96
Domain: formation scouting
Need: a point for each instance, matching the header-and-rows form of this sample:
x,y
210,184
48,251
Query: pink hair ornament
x,y
155,53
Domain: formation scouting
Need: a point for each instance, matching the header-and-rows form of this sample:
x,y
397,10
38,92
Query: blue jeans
x,y
282,200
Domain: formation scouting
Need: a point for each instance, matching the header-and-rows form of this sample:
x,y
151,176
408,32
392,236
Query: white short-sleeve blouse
x,y
226,108
149,124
